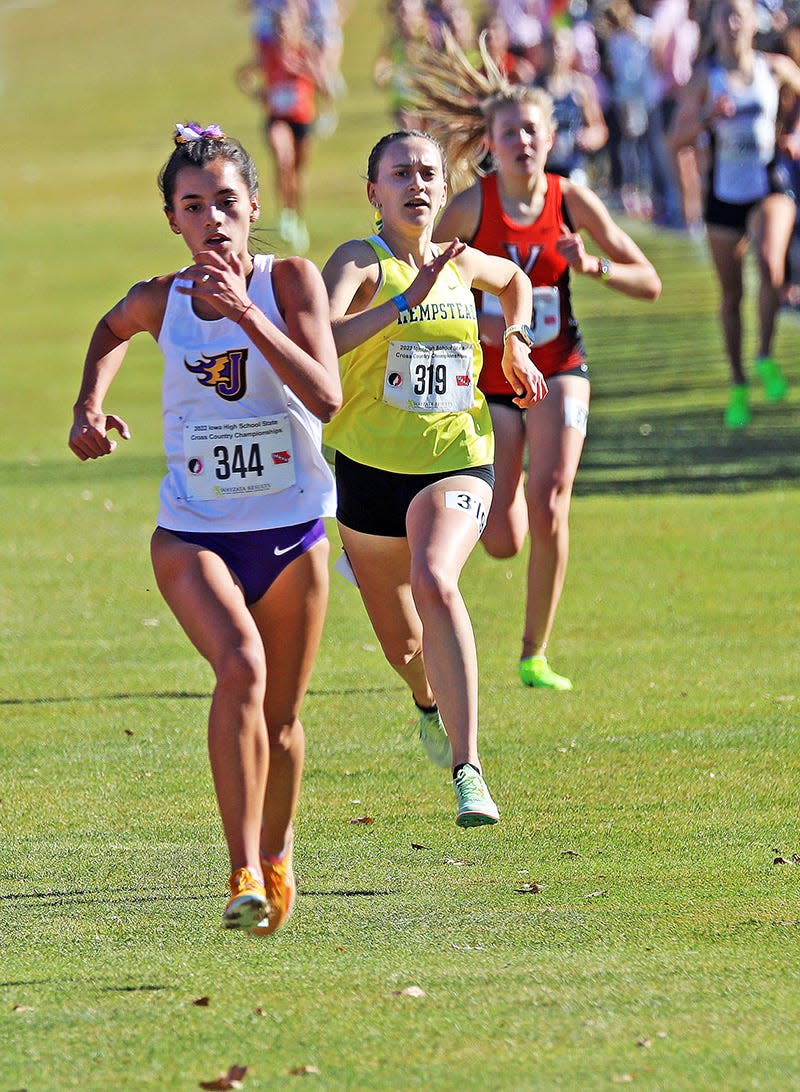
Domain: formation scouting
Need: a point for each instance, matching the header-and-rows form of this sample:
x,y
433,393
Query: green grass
x,y
648,805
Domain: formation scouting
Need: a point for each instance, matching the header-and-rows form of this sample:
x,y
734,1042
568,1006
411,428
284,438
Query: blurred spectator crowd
x,y
615,70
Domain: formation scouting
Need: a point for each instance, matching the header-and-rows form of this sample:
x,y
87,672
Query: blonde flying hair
x,y
458,102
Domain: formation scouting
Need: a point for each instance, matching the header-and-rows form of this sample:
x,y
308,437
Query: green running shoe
x,y
775,386
301,239
737,415
292,231
536,671
475,805
433,738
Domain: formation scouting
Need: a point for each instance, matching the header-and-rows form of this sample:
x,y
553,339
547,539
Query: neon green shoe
x,y
302,240
536,671
285,228
433,738
737,414
292,231
475,805
775,386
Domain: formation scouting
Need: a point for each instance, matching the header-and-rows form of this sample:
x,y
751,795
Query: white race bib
x,y
244,458
546,314
429,377
546,319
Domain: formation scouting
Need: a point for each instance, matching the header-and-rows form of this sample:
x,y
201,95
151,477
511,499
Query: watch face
x,y
525,332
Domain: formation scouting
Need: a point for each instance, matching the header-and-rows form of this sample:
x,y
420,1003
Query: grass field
x,y
626,922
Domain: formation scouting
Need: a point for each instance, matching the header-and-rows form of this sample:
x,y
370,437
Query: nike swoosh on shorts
x,y
285,549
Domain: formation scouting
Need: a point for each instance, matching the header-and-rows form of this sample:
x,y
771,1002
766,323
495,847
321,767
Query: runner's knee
x,y
432,588
242,671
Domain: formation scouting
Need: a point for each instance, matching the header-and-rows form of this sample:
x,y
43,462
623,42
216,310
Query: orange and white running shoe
x,y
281,889
248,902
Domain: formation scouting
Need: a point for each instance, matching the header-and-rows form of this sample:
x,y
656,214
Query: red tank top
x,y
290,96
531,247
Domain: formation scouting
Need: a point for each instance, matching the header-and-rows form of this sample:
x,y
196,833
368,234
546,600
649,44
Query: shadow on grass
x,y
144,988
84,896
131,895
181,695
689,452
649,433
74,699
338,894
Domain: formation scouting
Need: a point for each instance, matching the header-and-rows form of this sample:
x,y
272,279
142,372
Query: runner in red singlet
x,y
536,219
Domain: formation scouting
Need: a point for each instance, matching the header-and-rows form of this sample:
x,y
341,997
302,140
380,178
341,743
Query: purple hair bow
x,y
185,134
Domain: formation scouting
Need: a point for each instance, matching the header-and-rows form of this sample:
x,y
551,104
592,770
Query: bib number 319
x,y
429,377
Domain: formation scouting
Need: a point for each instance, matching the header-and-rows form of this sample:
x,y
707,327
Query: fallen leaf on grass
x,y
644,1043
595,894
570,853
363,821
794,859
23,1008
623,1078
305,1071
201,1002
410,991
529,889
128,732
457,861
232,1079
418,845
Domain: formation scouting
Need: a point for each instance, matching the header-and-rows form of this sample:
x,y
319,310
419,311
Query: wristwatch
x,y
524,332
603,269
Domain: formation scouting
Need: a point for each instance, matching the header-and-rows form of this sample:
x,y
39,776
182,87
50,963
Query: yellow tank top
x,y
411,402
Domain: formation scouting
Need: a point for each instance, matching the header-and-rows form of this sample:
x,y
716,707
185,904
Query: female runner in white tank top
x,y
240,553
734,97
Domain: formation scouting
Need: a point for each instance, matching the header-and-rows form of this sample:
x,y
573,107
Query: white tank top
x,y
744,145
243,452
